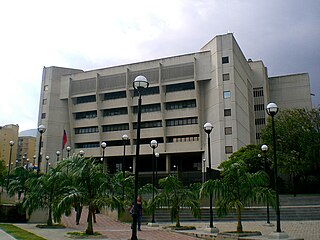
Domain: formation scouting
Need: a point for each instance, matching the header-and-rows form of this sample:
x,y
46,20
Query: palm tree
x,y
45,192
176,196
239,188
90,186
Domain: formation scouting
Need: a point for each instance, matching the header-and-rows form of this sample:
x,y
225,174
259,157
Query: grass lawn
x,y
19,233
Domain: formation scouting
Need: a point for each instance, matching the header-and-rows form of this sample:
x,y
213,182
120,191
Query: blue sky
x,y
95,34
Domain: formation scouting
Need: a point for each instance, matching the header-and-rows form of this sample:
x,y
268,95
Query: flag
x,y
64,139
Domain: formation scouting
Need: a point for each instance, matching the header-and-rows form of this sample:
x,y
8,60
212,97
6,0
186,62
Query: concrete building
x,y
9,133
217,85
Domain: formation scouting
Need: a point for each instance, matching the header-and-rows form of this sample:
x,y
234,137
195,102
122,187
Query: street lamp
x,y
207,127
58,154
264,149
272,110
47,159
124,139
153,145
81,152
103,145
41,130
68,151
11,143
139,84
157,157
204,170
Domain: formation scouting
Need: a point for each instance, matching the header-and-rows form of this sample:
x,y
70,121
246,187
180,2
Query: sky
x,y
87,35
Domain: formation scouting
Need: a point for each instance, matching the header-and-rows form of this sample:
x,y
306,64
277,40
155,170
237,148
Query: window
x,y
228,149
181,104
260,121
148,91
86,115
227,112
115,95
225,60
259,107
115,127
149,124
85,130
226,77
180,87
43,115
115,111
181,121
86,99
226,94
148,108
228,130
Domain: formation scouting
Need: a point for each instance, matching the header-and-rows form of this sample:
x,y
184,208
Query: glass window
x,y
226,77
226,94
227,112
225,60
228,149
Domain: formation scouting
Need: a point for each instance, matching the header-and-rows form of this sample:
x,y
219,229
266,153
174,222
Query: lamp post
x,y
157,157
207,127
264,149
204,170
124,140
139,84
272,110
41,130
47,163
81,153
68,151
103,146
58,155
11,143
153,145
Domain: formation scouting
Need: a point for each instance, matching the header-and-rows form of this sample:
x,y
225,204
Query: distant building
x,y
217,85
9,133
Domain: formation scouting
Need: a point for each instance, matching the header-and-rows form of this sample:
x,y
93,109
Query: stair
x,y
291,208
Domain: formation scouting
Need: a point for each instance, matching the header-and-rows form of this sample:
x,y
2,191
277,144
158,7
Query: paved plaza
x,y
115,230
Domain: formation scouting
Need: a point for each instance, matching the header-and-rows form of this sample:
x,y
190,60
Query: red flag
x,y
64,140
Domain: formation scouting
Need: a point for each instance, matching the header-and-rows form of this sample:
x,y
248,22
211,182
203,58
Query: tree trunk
x,y
239,224
89,229
49,221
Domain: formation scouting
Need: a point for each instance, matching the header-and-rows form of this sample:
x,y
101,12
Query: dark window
x,y
86,115
87,145
226,77
148,91
149,124
227,112
180,87
228,149
115,95
181,104
181,121
115,127
228,130
259,107
187,138
85,130
260,121
148,108
115,111
225,60
43,115
86,99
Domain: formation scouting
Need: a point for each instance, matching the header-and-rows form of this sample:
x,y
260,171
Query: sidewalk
x,y
115,230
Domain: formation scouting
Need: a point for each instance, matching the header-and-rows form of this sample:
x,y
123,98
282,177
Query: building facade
x,y
217,85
